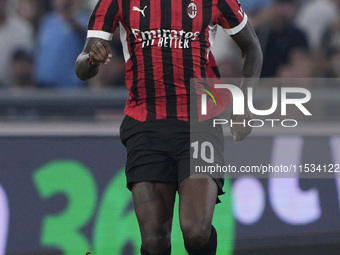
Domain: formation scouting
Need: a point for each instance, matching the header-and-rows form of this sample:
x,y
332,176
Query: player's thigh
x,y
153,203
197,199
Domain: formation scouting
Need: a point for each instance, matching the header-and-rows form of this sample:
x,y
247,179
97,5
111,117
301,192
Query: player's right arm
x,y
102,24
96,51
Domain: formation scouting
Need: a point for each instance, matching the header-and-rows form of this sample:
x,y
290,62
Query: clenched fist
x,y
100,52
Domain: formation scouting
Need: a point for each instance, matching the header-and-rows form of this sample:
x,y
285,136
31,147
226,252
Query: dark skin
x,y
100,53
250,47
154,202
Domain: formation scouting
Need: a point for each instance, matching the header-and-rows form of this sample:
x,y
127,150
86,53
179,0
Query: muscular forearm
x,y
250,46
84,70
251,72
252,67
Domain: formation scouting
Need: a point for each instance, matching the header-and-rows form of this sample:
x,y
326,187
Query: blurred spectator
x,y
331,46
314,17
49,5
300,65
331,40
278,35
254,5
14,33
335,65
22,71
60,39
31,11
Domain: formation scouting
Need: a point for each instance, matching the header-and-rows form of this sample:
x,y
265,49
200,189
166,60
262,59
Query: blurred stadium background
x,y
62,187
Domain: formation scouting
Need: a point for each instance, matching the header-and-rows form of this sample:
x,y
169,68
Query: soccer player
x,y
165,43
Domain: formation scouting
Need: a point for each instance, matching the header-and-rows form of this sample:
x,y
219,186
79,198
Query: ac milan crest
x,y
192,10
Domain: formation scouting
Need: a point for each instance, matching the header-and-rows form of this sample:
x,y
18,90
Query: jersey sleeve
x,y
231,16
104,20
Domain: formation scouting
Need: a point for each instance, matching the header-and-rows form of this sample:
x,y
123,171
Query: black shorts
x,y
163,150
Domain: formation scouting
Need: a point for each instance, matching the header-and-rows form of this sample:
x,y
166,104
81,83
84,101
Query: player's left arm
x,y
231,17
250,47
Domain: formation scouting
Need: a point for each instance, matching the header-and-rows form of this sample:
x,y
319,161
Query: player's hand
x,y
239,131
100,52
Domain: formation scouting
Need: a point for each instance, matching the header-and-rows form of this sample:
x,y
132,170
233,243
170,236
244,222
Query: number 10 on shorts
x,y
205,150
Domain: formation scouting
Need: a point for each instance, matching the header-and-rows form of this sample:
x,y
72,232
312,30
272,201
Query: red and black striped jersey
x,y
165,44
